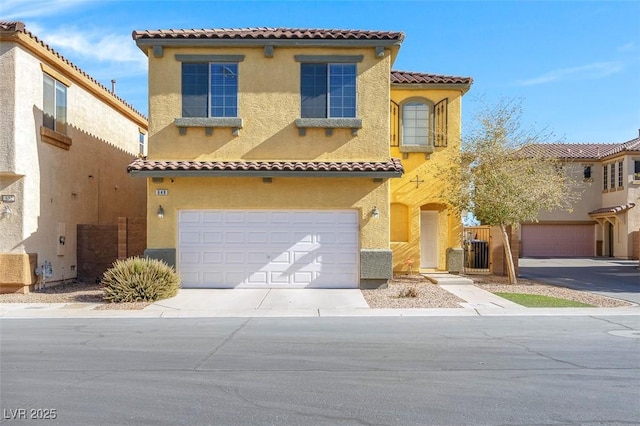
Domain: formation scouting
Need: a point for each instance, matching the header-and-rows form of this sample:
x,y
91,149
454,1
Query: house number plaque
x,y
162,192
9,198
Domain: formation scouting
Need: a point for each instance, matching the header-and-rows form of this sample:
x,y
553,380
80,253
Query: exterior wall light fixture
x,y
160,212
6,212
375,213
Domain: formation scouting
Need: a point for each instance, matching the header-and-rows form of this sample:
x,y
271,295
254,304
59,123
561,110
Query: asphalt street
x,y
615,278
377,370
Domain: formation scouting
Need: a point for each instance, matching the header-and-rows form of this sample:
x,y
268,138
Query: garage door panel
x,y
570,240
188,218
280,257
234,257
187,237
189,257
212,257
257,237
258,278
232,218
212,217
269,248
209,237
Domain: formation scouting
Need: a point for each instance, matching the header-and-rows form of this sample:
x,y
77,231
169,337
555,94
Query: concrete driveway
x,y
615,278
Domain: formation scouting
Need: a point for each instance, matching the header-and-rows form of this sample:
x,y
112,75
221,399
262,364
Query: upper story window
x,y
620,177
586,172
209,89
141,143
416,124
636,170
328,90
54,105
613,175
605,175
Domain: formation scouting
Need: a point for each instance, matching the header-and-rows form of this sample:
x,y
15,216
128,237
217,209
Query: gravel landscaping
x,y
404,291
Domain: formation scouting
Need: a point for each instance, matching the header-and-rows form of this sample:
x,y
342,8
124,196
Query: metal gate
x,y
477,246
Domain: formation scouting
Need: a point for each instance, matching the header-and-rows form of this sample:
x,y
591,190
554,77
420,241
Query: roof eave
x,y
463,87
145,43
265,173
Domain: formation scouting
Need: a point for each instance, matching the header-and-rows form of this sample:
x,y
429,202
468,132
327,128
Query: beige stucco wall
x,y
592,197
427,195
269,104
58,189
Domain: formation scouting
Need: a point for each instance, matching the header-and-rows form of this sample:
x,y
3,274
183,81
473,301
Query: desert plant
x,y
139,279
409,292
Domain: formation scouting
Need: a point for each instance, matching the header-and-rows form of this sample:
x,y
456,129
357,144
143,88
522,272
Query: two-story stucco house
x,y
270,162
605,221
64,146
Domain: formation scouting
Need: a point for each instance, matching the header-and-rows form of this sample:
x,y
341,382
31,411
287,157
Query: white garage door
x,y
268,249
558,240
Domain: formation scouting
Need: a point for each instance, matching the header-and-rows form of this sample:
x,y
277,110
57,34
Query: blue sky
x,y
575,65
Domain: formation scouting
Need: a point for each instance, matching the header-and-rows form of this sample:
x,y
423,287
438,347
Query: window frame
x,y
636,170
51,113
209,107
605,177
612,184
430,143
310,112
620,174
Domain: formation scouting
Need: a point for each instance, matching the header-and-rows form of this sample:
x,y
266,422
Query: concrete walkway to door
x,y
609,277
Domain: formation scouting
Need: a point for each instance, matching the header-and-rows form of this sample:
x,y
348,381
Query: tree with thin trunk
x,y
502,175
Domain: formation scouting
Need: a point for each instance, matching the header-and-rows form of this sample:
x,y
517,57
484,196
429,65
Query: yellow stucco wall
x,y
282,193
427,195
269,104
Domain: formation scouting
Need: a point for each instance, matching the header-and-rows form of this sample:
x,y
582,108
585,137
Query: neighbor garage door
x,y
268,249
543,240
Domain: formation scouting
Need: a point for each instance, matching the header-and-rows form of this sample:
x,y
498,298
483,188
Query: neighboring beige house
x,y
64,146
606,220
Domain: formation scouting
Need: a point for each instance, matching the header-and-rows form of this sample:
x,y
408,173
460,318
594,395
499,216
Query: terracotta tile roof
x,y
632,145
567,150
272,168
613,209
19,27
406,77
594,151
269,34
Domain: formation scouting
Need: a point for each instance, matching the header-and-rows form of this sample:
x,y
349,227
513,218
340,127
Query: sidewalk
x,y
201,303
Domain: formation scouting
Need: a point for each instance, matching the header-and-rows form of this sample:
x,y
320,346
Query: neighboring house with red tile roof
x,y
65,143
606,220
278,157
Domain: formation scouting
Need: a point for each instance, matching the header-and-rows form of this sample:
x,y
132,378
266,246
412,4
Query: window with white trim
x,y
415,124
141,143
328,90
54,105
636,170
605,176
209,89
620,176
613,175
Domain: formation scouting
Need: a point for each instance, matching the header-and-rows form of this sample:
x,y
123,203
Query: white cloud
x,y
24,9
113,52
590,71
628,47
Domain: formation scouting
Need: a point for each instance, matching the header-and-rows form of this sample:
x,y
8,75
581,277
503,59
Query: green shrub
x,y
139,279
